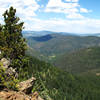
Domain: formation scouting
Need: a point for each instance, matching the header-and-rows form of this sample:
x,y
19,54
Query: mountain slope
x,y
41,33
55,84
84,60
57,44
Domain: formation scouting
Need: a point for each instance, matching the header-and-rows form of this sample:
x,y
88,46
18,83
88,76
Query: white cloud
x,y
61,25
75,16
75,0
83,10
26,11
25,8
72,0
71,8
68,0
58,4
38,0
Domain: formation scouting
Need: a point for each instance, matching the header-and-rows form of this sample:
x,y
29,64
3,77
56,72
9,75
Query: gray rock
x,y
5,63
9,71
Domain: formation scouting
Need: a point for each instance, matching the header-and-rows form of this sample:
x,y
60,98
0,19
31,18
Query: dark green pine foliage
x,y
80,62
14,45
55,84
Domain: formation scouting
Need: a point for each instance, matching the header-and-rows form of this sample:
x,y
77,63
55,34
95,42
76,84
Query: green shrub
x,y
9,82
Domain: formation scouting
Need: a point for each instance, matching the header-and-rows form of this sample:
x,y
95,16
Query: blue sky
x,y
74,16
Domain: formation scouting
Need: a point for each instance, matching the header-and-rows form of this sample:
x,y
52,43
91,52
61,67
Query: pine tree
x,y
2,39
14,44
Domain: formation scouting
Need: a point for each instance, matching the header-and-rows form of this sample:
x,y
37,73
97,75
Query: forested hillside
x,y
56,84
84,60
53,45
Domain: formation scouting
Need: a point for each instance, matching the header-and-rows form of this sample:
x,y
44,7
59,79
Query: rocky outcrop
x,y
26,86
9,71
12,95
97,74
24,92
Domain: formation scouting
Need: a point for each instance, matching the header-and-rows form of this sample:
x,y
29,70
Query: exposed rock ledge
x,y
24,87
24,92
12,95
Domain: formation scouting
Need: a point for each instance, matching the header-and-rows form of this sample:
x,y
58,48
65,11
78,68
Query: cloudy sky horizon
x,y
74,16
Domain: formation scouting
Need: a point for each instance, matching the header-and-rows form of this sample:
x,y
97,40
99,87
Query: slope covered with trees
x,y
56,84
84,60
58,44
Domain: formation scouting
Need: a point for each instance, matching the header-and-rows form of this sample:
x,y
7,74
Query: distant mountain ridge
x,y
42,33
48,47
42,38
57,43
35,33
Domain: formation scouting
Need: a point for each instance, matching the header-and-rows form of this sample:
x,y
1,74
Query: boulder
x,y
5,63
26,86
97,74
9,71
